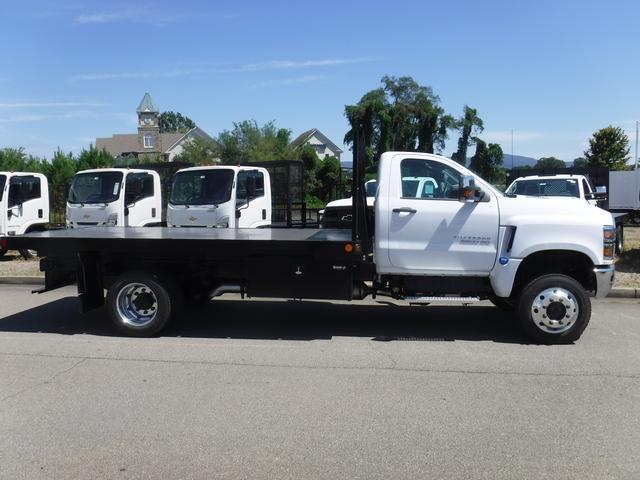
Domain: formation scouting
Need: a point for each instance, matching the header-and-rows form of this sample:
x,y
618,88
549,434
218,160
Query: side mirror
x,y
601,189
9,213
470,193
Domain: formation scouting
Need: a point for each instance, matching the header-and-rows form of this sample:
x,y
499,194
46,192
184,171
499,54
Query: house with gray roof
x,y
320,143
149,142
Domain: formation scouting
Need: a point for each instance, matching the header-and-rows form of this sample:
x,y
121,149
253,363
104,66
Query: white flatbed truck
x,y
539,258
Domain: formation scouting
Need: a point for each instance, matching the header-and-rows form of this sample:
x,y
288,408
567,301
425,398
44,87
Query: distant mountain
x,y
518,161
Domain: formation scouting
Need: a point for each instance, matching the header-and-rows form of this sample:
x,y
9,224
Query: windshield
x,y
95,187
202,187
548,187
371,186
3,180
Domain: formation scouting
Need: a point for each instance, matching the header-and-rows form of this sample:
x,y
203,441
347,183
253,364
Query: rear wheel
x,y
140,304
554,309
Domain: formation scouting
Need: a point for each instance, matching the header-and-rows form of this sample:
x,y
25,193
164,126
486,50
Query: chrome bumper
x,y
604,279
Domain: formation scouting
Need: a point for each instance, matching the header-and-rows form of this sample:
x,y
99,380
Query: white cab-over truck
x,y
24,204
114,197
540,258
220,197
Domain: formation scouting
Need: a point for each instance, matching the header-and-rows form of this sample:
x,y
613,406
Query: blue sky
x,y
553,71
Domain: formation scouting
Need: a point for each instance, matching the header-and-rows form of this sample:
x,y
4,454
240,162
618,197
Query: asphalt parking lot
x,y
274,389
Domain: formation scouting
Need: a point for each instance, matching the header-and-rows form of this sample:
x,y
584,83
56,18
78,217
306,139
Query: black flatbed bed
x,y
119,239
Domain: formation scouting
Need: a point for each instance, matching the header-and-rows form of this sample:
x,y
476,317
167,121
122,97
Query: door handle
x,y
405,210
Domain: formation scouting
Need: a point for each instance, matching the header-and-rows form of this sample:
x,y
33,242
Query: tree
x,y
249,142
470,125
328,177
12,159
401,115
550,162
580,162
172,122
94,158
310,162
200,152
487,161
608,147
61,169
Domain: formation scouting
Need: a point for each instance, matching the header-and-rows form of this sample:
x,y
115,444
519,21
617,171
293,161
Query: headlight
x,y
223,223
112,221
608,242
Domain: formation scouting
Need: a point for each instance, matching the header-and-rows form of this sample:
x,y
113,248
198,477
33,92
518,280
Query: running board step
x,y
442,299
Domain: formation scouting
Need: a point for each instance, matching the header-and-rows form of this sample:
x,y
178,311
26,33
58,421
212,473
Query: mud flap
x,y
90,282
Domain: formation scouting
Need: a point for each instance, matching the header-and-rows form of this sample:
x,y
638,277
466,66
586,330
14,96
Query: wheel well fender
x,y
571,263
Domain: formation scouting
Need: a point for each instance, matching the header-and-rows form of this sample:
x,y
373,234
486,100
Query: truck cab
x,y
220,197
114,197
24,203
469,229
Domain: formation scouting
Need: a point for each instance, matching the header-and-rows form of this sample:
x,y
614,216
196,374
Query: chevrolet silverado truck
x,y
466,242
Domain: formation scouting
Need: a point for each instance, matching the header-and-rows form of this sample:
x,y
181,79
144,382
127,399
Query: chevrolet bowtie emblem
x,y
192,219
86,216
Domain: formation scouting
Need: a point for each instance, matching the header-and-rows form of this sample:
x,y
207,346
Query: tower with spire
x,y
148,126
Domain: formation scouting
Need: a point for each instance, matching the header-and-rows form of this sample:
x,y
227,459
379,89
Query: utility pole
x,y
636,159
512,146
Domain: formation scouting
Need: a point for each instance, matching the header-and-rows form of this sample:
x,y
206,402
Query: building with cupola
x,y
149,143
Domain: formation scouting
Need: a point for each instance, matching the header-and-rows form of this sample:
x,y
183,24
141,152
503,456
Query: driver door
x,y
24,201
436,233
139,195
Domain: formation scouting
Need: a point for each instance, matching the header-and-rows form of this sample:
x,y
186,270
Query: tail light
x,y
608,242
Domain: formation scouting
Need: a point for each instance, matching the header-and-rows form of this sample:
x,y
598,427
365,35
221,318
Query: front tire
x,y
140,304
3,251
554,309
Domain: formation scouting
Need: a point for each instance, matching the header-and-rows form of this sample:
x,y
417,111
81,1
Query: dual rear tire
x,y
140,304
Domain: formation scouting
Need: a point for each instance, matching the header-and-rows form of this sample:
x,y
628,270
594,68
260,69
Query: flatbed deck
x,y
105,236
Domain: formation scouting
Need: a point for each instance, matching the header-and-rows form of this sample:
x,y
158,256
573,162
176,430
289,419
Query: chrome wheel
x,y
137,304
554,310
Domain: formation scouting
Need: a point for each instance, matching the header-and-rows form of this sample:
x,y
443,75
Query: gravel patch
x,y
13,265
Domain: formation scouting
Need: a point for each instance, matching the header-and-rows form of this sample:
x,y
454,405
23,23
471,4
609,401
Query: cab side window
x,y
138,186
23,189
249,180
429,180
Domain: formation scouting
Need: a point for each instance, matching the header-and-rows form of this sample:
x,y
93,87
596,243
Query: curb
x,y
614,293
624,293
